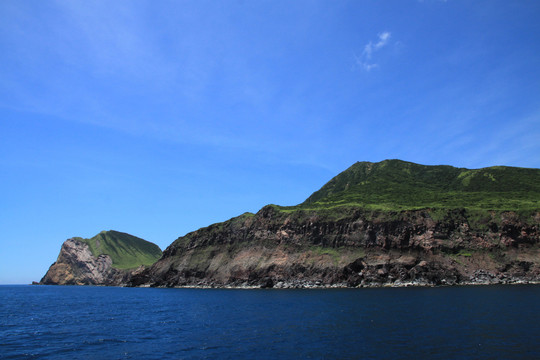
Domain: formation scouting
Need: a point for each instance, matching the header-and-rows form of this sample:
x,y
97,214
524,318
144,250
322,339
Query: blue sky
x,y
158,118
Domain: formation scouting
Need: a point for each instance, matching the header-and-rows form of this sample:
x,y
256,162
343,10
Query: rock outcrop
x,y
77,264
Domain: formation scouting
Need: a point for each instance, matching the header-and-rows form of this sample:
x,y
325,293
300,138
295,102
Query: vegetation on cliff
x,y
126,251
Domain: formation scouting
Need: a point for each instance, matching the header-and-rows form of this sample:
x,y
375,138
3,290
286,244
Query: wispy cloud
x,y
365,60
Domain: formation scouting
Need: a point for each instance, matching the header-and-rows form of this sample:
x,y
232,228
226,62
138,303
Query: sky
x,y
157,118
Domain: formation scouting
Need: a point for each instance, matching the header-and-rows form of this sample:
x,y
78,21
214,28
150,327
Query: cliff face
x,y
353,247
83,261
77,266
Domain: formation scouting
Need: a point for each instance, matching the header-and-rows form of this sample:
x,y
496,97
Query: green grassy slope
x,y
400,185
126,251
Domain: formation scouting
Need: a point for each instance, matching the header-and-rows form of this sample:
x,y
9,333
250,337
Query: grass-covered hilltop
x,y
388,223
126,251
398,185
109,258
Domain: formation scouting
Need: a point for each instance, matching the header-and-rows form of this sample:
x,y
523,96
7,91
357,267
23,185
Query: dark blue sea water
x,y
482,322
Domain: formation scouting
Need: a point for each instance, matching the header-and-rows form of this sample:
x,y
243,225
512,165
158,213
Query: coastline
x,y
412,284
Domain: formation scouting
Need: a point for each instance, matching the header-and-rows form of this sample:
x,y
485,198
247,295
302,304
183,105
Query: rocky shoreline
x,y
478,277
308,285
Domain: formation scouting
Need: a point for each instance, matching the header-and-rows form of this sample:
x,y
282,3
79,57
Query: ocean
x,y
78,322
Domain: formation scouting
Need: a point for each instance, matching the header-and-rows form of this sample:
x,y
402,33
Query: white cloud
x,y
383,39
365,59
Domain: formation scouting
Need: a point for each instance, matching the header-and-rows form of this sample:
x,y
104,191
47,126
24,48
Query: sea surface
x,y
71,322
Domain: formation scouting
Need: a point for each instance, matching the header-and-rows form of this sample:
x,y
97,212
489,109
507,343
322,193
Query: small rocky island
x,y
392,223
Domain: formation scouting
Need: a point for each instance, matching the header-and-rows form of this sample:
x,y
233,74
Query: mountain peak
x,y
127,251
395,184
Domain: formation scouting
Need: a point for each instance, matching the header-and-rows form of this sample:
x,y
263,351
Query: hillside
x,y
389,223
126,251
400,185
109,258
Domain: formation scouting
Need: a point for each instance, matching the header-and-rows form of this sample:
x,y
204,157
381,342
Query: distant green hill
x,y
126,251
401,185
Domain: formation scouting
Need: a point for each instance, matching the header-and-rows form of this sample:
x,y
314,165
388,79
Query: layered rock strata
x,y
351,248
76,265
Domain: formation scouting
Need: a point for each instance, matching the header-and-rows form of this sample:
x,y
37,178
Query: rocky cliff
x,y
109,258
77,266
353,247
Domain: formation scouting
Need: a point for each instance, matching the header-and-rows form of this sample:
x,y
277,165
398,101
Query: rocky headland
x,y
110,258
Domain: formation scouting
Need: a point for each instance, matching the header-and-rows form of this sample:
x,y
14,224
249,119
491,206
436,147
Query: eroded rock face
x,y
279,249
77,266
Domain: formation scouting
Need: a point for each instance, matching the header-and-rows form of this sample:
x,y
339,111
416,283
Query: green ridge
x,y
396,185
126,251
